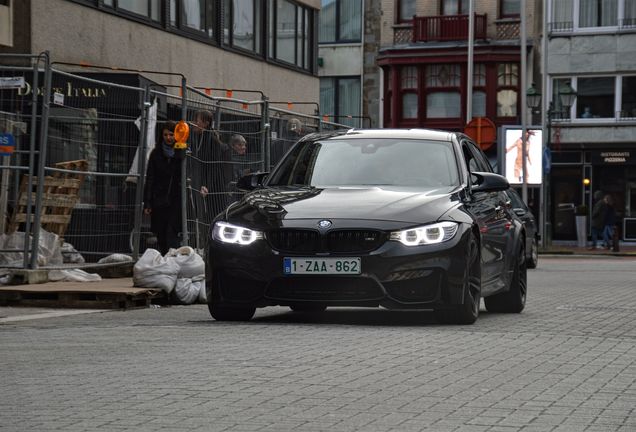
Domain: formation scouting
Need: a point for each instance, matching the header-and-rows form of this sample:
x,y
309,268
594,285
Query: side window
x,y
471,162
482,162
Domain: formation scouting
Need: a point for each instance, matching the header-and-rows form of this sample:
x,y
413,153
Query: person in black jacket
x,y
162,190
610,222
598,218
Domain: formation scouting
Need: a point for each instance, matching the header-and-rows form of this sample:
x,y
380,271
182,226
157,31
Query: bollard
x,y
615,240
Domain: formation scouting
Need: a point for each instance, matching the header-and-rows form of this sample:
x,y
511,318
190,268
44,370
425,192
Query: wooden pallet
x,y
40,296
60,195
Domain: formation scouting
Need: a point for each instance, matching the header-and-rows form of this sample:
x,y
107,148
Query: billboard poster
x,y
514,156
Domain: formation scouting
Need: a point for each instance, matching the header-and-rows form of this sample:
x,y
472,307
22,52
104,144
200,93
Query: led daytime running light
x,y
228,233
428,234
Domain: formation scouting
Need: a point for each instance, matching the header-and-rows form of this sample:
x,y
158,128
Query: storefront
x,y
611,171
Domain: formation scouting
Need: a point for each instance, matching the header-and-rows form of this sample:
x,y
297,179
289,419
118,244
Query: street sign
x,y
7,144
11,82
547,160
483,131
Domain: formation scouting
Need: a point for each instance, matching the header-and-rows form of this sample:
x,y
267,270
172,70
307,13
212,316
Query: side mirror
x,y
251,181
489,182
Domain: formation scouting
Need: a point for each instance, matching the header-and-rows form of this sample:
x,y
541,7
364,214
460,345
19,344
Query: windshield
x,y
368,162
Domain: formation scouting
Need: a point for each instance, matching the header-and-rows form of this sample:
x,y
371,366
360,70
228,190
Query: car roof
x,y
427,134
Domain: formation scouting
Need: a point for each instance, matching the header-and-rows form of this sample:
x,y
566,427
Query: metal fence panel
x,y
93,135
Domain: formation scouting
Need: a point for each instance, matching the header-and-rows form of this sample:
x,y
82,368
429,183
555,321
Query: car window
x,y
342,162
481,158
471,162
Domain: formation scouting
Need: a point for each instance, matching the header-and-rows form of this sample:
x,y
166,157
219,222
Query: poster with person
x,y
514,156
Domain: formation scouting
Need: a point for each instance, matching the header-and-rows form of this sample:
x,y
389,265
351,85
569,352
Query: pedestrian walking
x,y
598,219
162,190
610,222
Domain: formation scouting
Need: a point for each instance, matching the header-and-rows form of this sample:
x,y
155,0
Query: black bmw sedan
x,y
403,219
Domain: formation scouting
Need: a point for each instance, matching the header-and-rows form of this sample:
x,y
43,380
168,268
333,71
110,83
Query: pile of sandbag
x,y
180,274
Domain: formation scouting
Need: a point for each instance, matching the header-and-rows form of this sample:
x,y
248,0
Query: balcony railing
x,y
447,28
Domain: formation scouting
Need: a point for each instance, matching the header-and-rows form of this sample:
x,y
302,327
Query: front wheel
x,y
513,300
468,311
225,313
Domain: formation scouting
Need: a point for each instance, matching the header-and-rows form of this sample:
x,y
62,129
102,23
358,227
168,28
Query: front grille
x,y
354,241
297,241
324,288
336,241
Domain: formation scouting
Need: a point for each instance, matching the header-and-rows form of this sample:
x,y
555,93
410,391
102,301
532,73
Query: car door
x,y
494,224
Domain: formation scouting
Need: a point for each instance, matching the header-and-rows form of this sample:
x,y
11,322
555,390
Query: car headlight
x,y
428,234
228,233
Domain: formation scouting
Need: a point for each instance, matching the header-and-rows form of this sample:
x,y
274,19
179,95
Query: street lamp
x,y
567,97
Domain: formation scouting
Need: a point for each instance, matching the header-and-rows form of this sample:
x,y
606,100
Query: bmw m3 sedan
x,y
400,219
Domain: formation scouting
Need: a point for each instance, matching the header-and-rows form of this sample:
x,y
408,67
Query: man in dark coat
x,y
598,218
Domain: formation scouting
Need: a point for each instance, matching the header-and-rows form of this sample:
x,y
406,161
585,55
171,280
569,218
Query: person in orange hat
x,y
518,145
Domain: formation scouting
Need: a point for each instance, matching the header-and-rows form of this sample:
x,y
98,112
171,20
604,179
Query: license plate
x,y
321,266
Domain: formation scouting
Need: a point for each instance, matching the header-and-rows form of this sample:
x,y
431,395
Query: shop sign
x,y
614,157
11,82
7,144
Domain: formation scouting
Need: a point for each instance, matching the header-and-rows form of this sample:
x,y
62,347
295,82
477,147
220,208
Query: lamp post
x,y
567,97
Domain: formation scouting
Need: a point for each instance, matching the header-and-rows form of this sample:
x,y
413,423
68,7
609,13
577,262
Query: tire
x,y
308,308
513,300
533,259
468,311
224,313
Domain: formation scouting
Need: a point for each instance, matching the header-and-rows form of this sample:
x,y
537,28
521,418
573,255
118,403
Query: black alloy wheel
x,y
468,311
225,313
513,300
533,260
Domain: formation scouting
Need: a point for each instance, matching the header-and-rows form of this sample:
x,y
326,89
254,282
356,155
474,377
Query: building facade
x,y
266,45
424,61
592,48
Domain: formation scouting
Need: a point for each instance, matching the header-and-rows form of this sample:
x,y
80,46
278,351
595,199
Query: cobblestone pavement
x,y
567,363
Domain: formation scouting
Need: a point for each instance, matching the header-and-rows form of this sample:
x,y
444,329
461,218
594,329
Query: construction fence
x,y
74,144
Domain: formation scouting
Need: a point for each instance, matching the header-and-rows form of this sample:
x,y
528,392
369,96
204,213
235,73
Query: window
x,y
479,90
628,103
630,14
146,8
443,98
242,24
340,97
194,15
405,10
568,15
595,97
291,33
341,21
507,84
510,8
455,7
598,13
408,87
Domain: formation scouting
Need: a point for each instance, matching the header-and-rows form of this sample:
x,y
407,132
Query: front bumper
x,y
393,276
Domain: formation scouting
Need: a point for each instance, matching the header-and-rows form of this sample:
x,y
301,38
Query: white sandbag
x,y
70,255
190,263
154,271
115,258
200,281
73,275
185,291
49,250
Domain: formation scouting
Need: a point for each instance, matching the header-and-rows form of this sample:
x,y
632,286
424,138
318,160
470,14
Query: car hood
x,y
276,206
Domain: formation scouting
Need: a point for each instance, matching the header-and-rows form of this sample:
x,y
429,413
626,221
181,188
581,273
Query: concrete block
x,y
22,277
